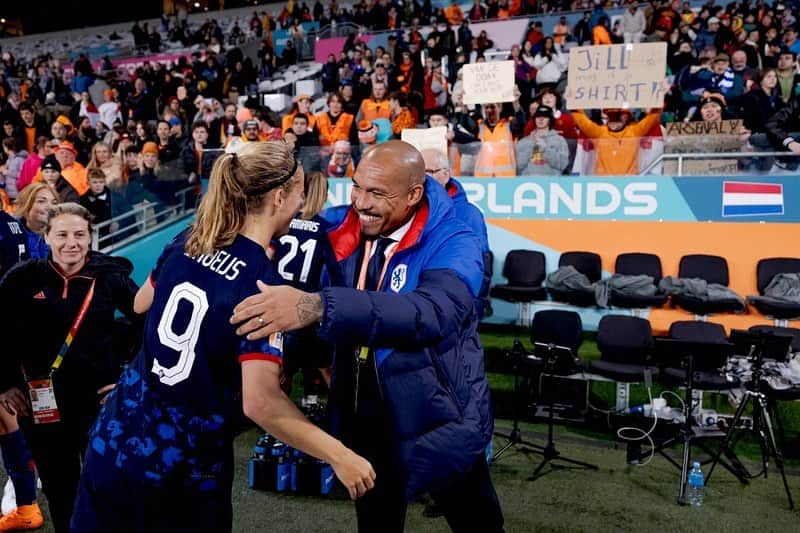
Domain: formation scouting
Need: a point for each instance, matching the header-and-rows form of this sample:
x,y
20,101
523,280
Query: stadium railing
x,y
705,155
142,220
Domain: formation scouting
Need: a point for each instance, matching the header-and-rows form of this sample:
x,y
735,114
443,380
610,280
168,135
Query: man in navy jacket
x,y
409,387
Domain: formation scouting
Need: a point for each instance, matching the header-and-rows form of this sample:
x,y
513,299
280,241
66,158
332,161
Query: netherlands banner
x,y
751,199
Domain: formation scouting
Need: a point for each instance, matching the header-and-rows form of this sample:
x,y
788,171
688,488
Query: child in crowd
x,y
98,199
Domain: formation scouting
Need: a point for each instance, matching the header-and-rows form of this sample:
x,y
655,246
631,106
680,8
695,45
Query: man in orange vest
x,y
333,125
496,157
302,105
617,144
376,106
453,14
73,172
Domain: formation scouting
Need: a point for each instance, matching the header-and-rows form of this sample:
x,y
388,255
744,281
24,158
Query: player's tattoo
x,y
309,309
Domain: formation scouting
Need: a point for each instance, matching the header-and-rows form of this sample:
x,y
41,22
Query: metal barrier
x,y
655,166
141,220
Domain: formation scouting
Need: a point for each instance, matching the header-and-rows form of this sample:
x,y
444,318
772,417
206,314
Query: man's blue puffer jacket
x,y
422,324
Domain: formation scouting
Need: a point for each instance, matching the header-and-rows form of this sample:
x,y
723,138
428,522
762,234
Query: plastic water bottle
x,y
696,486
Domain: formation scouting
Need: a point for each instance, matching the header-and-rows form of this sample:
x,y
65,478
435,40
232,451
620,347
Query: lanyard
x,y
363,351
362,275
74,329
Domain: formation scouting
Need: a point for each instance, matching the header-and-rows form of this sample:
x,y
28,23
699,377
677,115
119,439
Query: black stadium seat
x,y
557,326
705,377
626,347
560,328
635,264
525,271
588,264
712,269
794,333
765,271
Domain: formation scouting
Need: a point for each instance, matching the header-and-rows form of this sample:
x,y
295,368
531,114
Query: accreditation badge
x,y
43,401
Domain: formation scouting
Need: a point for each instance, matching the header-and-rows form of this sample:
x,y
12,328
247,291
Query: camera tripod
x,y
688,435
762,421
517,354
553,352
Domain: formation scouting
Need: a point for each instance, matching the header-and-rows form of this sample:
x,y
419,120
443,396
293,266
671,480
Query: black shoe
x,y
432,510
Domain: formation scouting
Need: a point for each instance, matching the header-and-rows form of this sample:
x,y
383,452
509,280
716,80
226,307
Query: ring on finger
x,y
260,320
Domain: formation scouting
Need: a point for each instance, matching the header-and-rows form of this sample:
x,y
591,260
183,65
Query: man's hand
x,y
14,402
355,473
279,308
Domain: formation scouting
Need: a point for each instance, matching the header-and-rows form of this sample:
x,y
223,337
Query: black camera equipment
x,y
519,357
555,361
693,357
757,346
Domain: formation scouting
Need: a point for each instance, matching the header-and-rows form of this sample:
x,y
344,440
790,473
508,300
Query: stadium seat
x,y
559,327
626,347
765,271
634,264
552,329
587,263
712,269
524,270
792,332
706,377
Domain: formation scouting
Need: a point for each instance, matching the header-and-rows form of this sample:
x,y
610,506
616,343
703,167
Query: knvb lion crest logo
x,y
398,280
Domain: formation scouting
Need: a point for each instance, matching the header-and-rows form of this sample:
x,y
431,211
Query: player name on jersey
x,y
15,229
304,225
222,263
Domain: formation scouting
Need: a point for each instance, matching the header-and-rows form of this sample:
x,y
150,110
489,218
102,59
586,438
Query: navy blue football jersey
x,y
13,243
302,254
170,418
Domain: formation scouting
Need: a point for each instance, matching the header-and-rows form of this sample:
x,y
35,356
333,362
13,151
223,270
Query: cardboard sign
x,y
424,139
721,127
702,167
618,75
700,136
488,82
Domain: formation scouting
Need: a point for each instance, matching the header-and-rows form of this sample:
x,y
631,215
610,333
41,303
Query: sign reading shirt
x,y
617,76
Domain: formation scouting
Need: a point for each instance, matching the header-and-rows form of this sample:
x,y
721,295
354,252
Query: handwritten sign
x,y
618,75
426,139
489,82
720,136
701,127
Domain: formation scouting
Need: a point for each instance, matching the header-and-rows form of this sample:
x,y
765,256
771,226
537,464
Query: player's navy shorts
x,y
109,500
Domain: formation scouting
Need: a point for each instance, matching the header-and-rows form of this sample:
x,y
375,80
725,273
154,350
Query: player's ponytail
x,y
316,194
240,181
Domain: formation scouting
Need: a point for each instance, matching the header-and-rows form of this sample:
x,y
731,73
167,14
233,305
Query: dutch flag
x,y
751,199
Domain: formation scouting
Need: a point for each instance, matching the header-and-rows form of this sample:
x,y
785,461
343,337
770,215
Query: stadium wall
x,y
666,216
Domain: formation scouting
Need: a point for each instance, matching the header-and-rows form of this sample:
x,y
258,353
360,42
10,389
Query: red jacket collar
x,y
347,237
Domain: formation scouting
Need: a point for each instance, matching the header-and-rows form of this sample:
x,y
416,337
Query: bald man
x,y
409,391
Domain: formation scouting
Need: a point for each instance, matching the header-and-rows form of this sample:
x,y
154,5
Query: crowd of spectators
x,y
737,61
159,129
113,141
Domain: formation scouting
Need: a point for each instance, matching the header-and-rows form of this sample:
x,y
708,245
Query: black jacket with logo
x,y
39,307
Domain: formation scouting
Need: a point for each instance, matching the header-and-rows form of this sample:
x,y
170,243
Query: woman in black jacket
x,y
758,105
63,305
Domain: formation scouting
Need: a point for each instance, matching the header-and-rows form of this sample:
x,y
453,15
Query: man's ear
x,y
415,193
